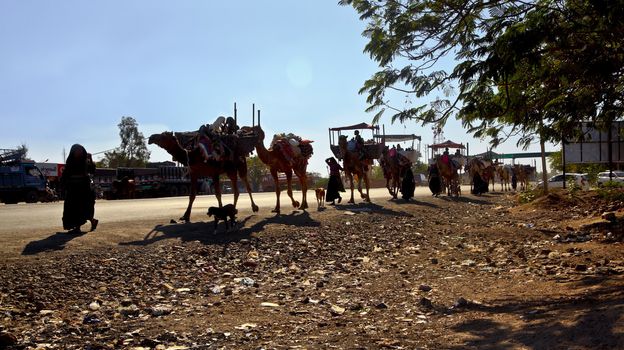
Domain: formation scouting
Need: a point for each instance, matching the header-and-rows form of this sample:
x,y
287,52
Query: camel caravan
x,y
445,169
223,147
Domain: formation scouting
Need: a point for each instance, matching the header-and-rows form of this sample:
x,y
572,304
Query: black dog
x,y
222,214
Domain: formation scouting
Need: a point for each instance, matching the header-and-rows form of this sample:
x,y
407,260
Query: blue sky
x,y
71,69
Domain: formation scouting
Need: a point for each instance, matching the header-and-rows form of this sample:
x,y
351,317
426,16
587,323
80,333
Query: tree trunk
x,y
544,172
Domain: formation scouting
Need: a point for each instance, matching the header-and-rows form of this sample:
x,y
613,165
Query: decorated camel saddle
x,y
220,140
293,147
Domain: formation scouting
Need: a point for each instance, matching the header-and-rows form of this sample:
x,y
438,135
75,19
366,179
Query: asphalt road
x,y
22,216
28,229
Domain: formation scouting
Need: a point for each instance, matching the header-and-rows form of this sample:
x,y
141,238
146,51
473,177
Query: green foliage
x,y
256,171
611,191
532,69
376,173
529,195
133,150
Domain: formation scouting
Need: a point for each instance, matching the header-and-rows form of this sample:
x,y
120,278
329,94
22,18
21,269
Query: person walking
x,y
334,186
79,204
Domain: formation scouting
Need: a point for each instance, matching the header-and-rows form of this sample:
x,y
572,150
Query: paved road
x,y
48,215
30,229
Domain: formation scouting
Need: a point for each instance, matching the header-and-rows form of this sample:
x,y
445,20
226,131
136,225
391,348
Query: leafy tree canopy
x,y
133,150
527,68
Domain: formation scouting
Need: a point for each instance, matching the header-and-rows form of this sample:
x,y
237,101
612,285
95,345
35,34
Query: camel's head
x,y
342,141
259,132
161,139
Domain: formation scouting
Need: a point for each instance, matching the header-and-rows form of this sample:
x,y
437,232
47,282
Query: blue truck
x,y
20,179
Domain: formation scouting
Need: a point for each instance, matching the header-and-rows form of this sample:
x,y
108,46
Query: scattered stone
x,y
161,310
424,288
424,302
609,216
337,310
381,305
580,267
267,304
460,303
94,306
7,339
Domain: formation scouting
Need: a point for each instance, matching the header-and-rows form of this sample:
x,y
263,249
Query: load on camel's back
x,y
293,147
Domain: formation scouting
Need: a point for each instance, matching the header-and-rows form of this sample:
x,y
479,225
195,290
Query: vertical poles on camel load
x,y
235,112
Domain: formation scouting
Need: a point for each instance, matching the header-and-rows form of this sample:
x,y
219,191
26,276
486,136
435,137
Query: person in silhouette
x,y
79,205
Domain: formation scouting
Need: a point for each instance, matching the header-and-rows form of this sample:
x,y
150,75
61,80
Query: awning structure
x,y
447,144
356,127
397,137
488,155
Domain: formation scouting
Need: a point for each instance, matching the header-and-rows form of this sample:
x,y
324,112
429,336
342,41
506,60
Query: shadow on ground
x,y
206,233
370,208
596,321
55,242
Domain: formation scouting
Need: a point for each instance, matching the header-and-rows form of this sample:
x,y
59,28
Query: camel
x,y
450,176
484,168
504,173
277,163
354,166
194,160
523,172
393,170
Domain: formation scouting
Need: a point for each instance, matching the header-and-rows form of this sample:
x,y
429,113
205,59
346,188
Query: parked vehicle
x,y
558,180
125,183
21,180
616,176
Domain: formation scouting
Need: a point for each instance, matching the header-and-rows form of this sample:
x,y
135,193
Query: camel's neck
x,y
178,153
263,153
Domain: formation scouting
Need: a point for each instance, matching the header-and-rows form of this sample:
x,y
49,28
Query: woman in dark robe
x,y
435,184
79,205
408,185
334,186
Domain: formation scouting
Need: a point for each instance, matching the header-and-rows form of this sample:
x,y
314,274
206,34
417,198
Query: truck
x,y
160,181
20,179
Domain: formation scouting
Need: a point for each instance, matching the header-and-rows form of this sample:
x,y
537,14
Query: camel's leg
x,y
234,181
217,187
277,191
350,177
367,184
242,173
187,214
254,207
295,204
303,182
359,187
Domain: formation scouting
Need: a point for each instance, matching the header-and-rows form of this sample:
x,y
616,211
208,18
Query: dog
x,y
223,213
320,197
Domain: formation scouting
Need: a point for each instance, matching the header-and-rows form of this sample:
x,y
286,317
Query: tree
x,y
133,150
23,150
531,69
256,172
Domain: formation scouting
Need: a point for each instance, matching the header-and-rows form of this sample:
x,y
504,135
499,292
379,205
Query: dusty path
x,y
436,273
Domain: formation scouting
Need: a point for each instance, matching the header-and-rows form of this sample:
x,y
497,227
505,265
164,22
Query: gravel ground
x,y
435,273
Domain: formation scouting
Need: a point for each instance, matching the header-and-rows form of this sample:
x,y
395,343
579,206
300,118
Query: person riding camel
x,y
359,143
209,144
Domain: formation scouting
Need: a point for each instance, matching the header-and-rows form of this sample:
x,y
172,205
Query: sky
x,y
70,70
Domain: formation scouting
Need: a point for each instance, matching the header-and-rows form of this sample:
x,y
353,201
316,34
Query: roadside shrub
x,y
529,195
611,191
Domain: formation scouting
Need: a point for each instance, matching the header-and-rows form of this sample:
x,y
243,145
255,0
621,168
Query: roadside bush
x,y
611,191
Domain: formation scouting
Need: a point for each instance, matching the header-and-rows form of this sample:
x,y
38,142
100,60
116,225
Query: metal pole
x,y
253,114
258,117
235,119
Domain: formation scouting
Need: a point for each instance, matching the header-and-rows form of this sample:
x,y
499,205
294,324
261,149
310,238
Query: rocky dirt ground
x,y
436,273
